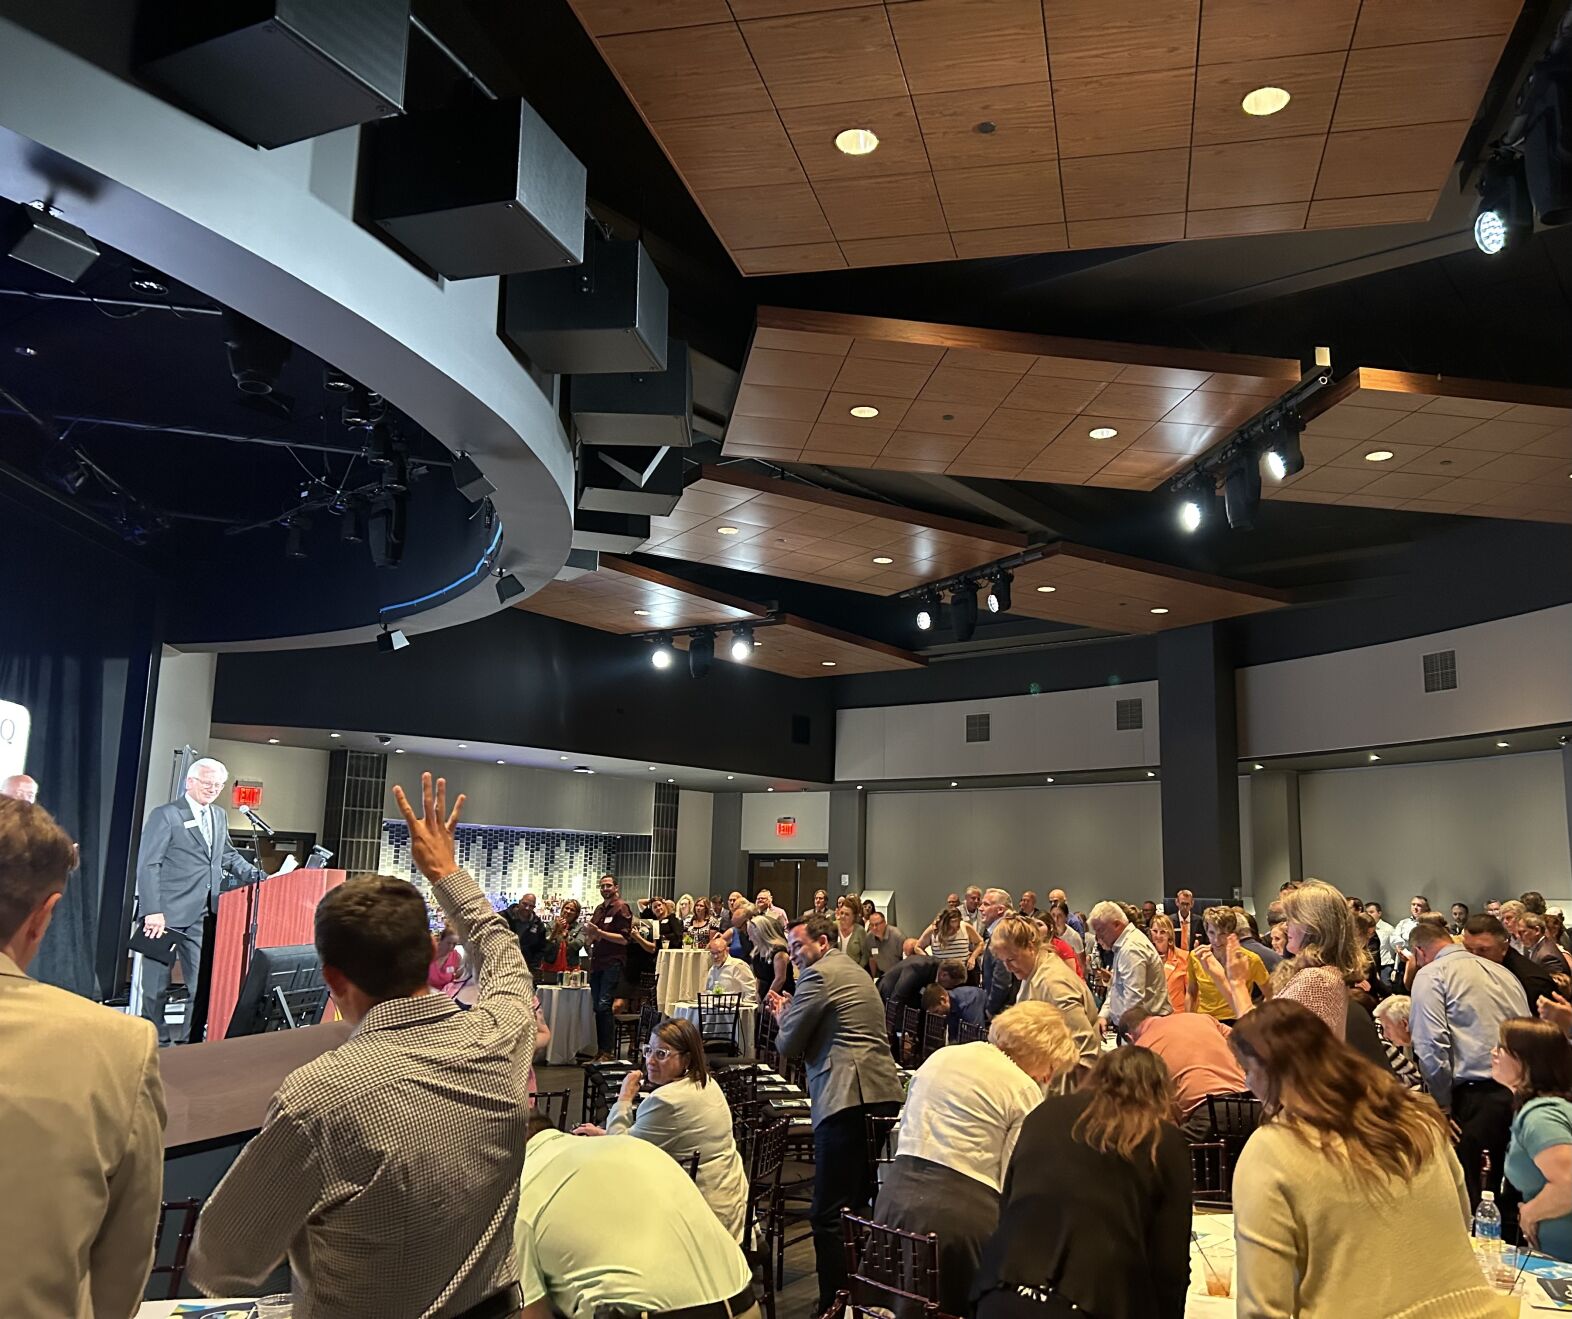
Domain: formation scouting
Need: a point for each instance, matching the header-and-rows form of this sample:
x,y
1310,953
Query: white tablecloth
x,y
747,1023
679,975
570,1014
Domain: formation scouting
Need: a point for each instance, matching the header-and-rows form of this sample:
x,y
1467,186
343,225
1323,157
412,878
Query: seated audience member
x,y
772,968
446,972
728,974
1136,979
1534,1062
904,983
1250,940
1219,961
360,1144
1278,937
1095,1211
1459,1003
1391,1018
1347,1167
961,1004
685,1114
963,1113
850,937
1194,1048
1176,964
1485,936
886,945
668,1252
81,1109
1047,978
1539,947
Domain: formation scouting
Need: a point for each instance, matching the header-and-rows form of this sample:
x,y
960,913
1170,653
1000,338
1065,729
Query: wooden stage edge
x,y
223,1087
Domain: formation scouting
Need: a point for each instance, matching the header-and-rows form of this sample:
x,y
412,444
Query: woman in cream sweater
x,y
1347,1166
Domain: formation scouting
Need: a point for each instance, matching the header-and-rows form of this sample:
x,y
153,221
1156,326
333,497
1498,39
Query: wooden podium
x,y
276,913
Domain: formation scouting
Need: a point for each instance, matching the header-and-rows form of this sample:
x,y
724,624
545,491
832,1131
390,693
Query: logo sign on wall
x,y
248,793
15,725
786,827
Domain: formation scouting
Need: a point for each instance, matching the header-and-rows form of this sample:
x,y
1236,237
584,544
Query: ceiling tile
x,y
687,73
1138,183
1237,30
1393,22
732,151
881,207
779,403
766,217
948,45
1381,161
604,18
1127,231
1254,173
767,432
947,418
1145,401
997,196
813,129
1352,212
1427,83
1246,220
1037,393
870,375
1311,81
1006,424
901,251
1150,110
812,59
789,259
1109,38
772,366
1019,240
1022,119
838,410
952,384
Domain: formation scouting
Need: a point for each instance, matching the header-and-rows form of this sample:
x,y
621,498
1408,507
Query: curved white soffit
x,y
271,234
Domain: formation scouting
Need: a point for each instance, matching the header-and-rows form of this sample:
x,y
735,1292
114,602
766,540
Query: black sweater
x,y
1110,1235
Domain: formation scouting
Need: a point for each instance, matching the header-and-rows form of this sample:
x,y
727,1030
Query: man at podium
x,y
185,861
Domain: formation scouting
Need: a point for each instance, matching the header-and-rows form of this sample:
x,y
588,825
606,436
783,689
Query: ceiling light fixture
x,y
769,790
652,769
725,531
1374,757
1046,590
882,559
963,610
827,664
954,784
502,762
25,350
856,141
1151,773
582,769
1258,767
1191,516
742,644
1285,456
928,611
864,412
1264,101
561,757
335,735
1503,745
999,592
641,613
398,751
730,777
1049,779
1101,433
701,654
1159,610
151,287
662,656
1378,456
671,780
1506,210
463,746
272,741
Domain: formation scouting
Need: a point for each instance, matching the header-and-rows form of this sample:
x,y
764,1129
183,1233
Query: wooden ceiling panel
x,y
972,102
800,648
1460,446
996,404
627,597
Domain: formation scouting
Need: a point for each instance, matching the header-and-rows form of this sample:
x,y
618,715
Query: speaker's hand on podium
x,y
154,925
431,836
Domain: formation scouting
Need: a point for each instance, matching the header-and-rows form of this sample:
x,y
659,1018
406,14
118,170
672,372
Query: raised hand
x,y
1558,1012
431,836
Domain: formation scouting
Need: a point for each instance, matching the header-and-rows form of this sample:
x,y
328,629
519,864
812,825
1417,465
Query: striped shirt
x,y
388,1169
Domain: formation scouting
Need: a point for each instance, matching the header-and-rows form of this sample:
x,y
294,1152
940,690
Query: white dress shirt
x,y
1459,1003
1387,935
1137,979
733,976
201,814
964,1110
1405,927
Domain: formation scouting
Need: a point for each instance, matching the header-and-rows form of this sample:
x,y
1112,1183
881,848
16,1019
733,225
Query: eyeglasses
x,y
658,1052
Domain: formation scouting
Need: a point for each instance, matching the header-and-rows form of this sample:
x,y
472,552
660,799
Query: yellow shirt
x,y
1209,999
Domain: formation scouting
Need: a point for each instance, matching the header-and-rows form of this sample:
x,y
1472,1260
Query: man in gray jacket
x,y
185,861
835,1023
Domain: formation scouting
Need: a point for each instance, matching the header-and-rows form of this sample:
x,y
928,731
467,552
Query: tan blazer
x,y
82,1146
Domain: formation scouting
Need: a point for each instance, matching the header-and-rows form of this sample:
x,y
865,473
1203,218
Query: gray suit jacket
x,y
177,874
836,1025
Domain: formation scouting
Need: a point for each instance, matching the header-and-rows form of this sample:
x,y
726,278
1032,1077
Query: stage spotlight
x,y
1285,456
294,538
1242,492
1547,136
742,644
470,481
999,594
927,611
1191,515
509,588
1506,215
701,654
963,611
256,354
388,642
663,654
38,238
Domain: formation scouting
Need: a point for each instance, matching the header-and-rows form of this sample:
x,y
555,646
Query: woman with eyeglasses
x,y
1534,1061
685,1113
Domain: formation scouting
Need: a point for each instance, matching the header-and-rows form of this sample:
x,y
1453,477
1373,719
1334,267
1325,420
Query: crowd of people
x,y
1404,1074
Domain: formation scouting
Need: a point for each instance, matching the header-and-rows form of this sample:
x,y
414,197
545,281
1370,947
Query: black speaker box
x,y
646,408
485,189
272,72
609,533
46,242
606,315
651,484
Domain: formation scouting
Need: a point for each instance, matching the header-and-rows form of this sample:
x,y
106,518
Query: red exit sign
x,y
247,793
786,827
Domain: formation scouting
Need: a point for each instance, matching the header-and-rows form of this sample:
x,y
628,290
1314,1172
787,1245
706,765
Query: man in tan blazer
x,y
81,1110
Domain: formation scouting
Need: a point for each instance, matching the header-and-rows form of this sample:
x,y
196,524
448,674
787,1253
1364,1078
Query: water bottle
x,y
1487,1228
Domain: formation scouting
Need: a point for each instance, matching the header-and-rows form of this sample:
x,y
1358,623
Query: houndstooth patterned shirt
x,y
388,1169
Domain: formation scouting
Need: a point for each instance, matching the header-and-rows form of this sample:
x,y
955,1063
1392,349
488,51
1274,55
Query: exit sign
x,y
247,792
786,827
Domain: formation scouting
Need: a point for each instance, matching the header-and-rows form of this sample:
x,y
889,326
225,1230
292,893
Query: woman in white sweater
x,y
1347,1166
684,1115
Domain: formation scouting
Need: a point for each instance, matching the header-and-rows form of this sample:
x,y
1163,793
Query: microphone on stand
x,y
257,822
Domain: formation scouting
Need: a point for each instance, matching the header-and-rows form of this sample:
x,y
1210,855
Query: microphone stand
x,y
259,827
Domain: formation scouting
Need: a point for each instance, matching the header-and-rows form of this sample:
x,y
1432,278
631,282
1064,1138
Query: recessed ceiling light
x,y
398,751
769,790
954,784
882,558
859,787
335,735
641,613
730,777
25,350
864,412
1503,745
856,141
1151,773
725,531
273,742
1378,456
561,757
1374,757
502,762
1159,610
1265,101
1258,767
1046,590
1049,779
582,769
671,780
463,746
827,664
652,769
149,286
1101,433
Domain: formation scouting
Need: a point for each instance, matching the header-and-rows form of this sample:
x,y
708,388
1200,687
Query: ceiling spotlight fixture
x,y
1285,456
641,613
671,780
963,611
1190,515
882,559
1159,610
335,735
272,741
1506,210
1049,779
725,531
954,784
582,769
502,762
1101,433
1242,491
864,412
149,287
742,644
769,790
856,141
701,654
463,746
561,757
730,777
1257,766
663,655
928,611
1151,773
1374,757
827,664
25,350
1046,590
999,592
1503,745
1264,101
652,769
391,639
398,751
1378,456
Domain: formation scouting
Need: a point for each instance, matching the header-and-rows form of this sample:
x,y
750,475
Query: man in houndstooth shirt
x,y
388,1169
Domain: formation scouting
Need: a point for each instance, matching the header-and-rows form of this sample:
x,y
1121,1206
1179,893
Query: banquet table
x,y
747,1024
570,1015
679,975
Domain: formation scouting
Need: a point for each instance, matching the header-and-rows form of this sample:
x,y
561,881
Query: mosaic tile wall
x,y
554,864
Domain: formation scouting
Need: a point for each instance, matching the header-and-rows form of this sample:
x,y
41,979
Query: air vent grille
x,y
1441,671
977,728
1127,715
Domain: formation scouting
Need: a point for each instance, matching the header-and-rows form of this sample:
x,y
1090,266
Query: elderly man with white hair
x,y
20,787
184,862
1136,979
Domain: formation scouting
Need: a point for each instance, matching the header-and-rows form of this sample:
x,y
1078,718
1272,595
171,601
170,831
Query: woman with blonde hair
x,y
1046,977
685,908
1347,1166
1326,954
770,956
963,1115
1095,1217
1176,964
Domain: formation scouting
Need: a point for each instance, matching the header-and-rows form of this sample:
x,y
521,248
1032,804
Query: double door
x,y
791,880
